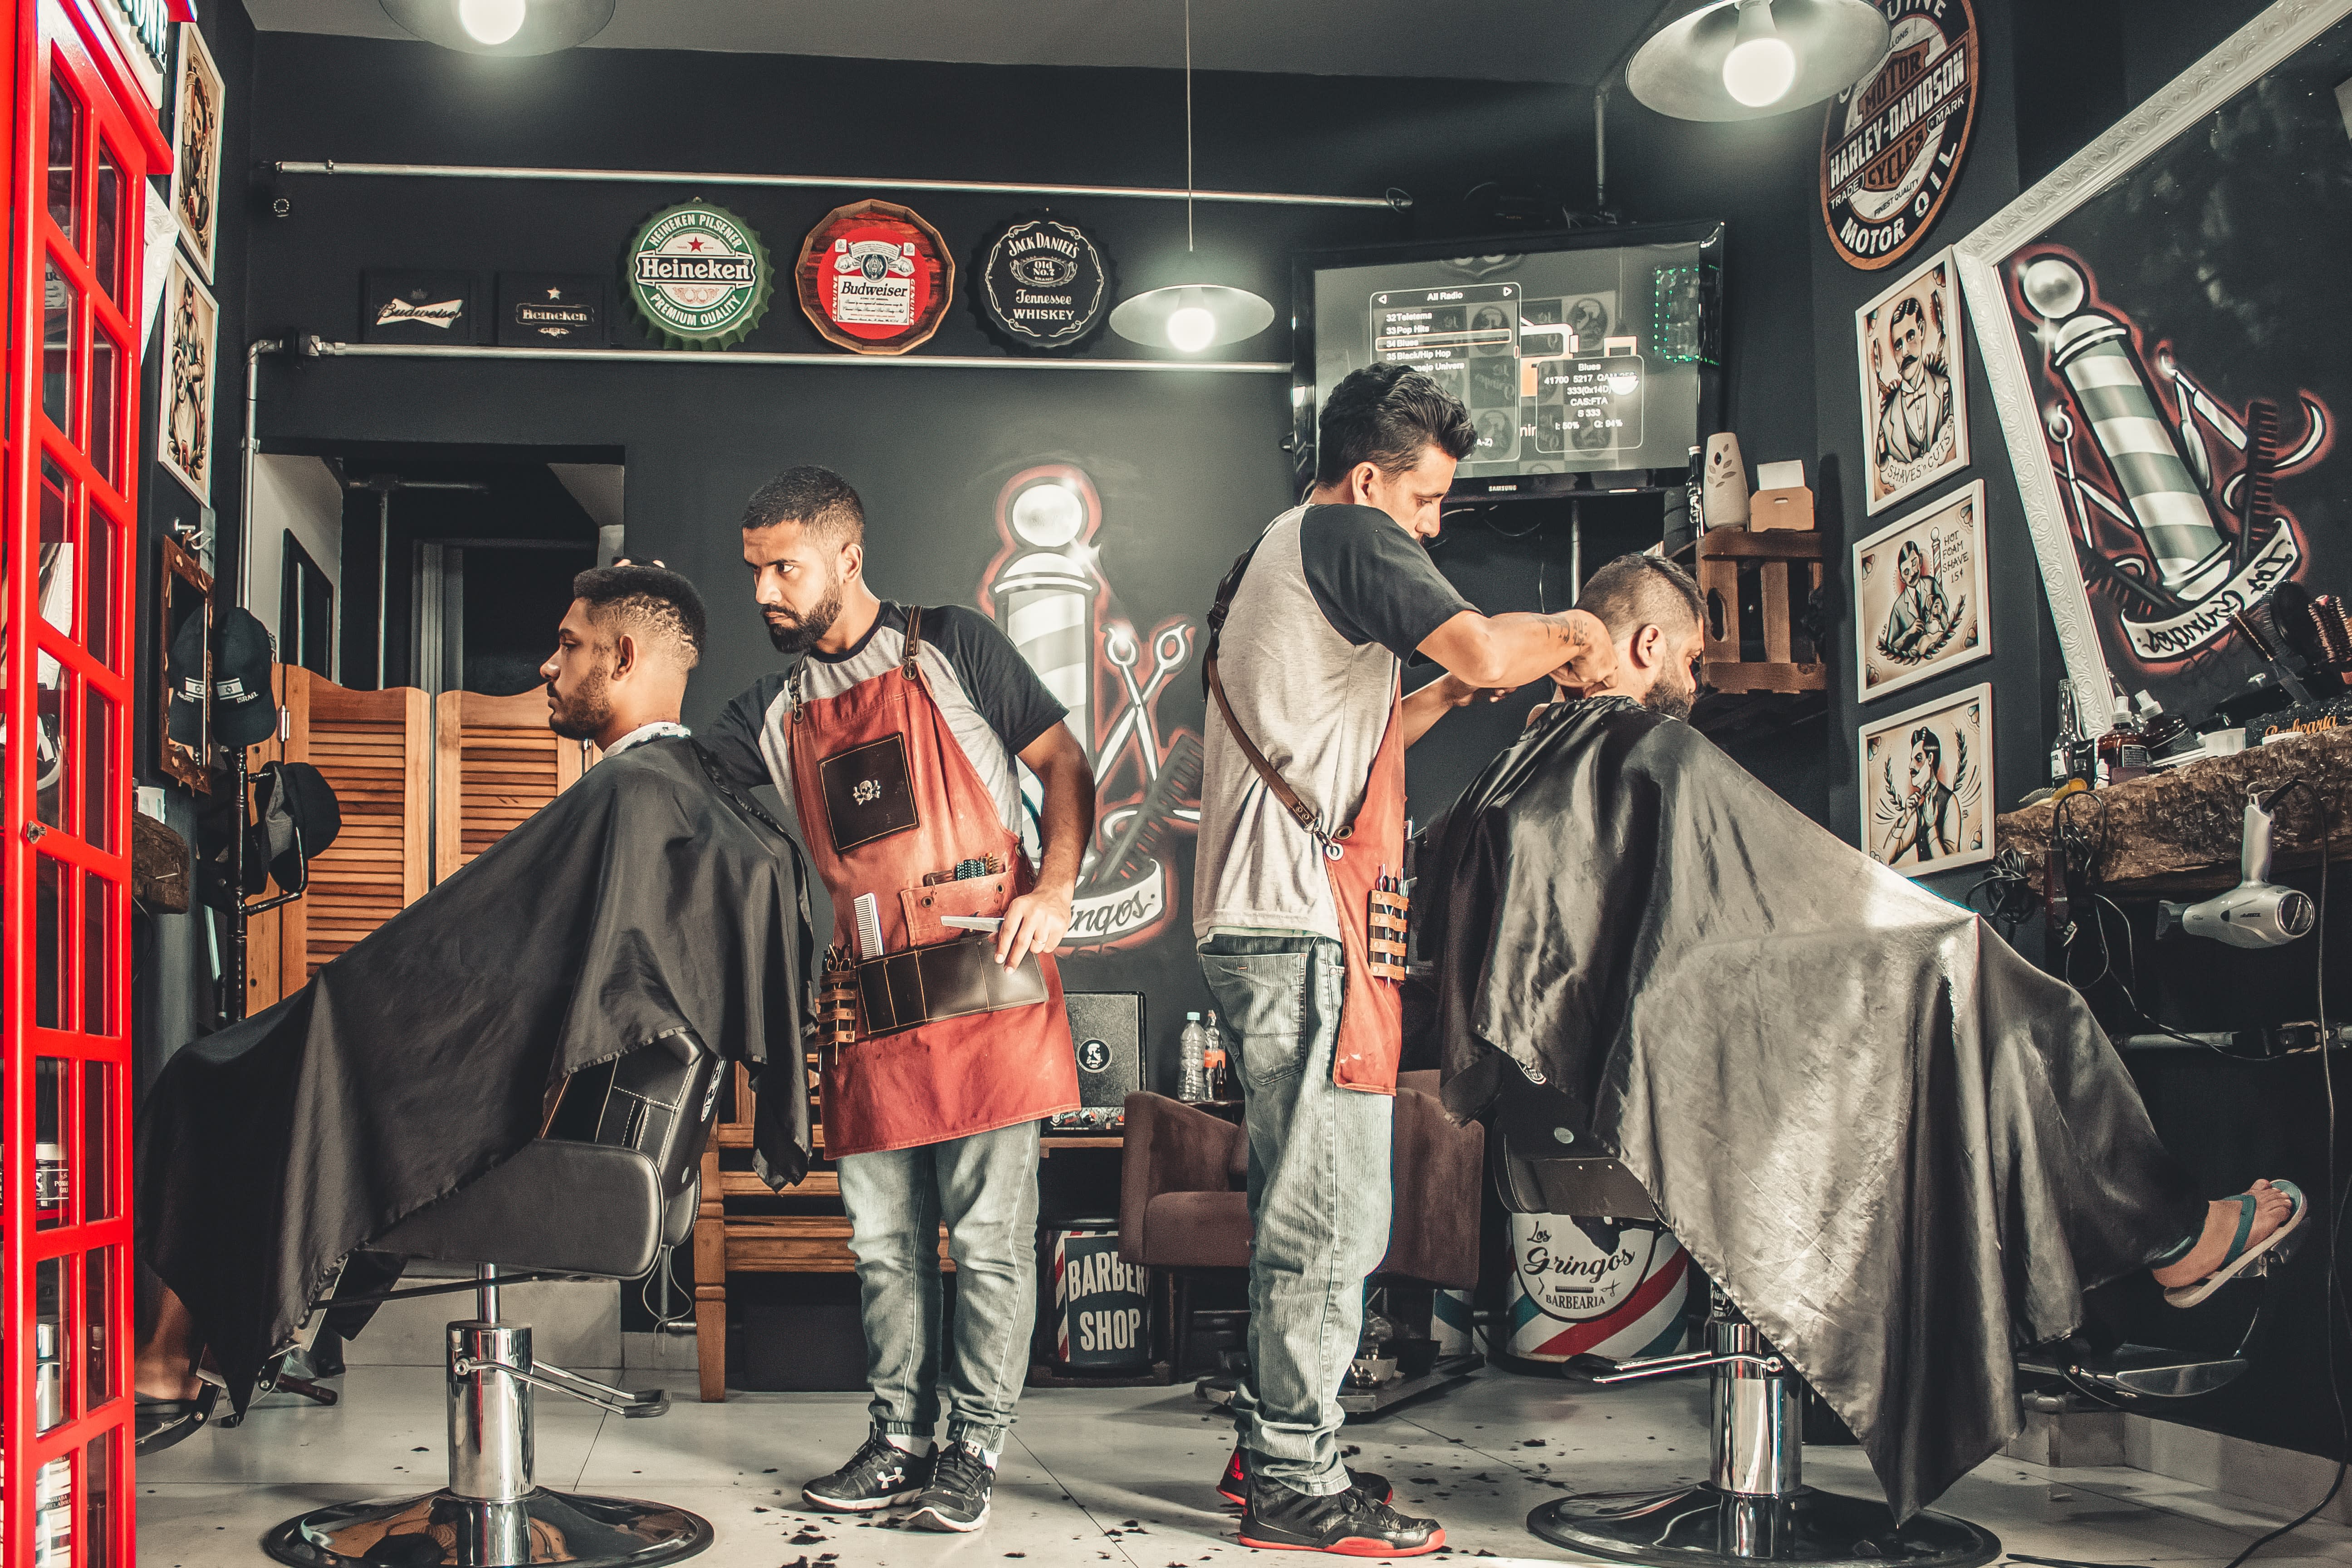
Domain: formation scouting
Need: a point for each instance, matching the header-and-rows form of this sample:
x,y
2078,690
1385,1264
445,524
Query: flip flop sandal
x,y
164,1422
2240,1256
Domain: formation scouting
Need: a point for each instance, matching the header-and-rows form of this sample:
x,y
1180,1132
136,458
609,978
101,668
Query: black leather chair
x,y
558,1208
1754,1506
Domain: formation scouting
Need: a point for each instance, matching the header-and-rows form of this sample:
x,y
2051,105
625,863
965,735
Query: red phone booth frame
x,y
80,143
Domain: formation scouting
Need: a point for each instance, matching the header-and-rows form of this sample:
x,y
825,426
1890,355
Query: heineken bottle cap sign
x,y
699,277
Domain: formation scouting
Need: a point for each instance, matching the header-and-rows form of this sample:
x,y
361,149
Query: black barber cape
x,y
1899,1148
640,902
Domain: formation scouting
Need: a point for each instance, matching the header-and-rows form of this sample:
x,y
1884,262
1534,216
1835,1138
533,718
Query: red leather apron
x,y
954,1077
1371,1010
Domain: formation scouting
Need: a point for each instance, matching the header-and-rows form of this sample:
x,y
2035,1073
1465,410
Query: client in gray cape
x,y
1899,1148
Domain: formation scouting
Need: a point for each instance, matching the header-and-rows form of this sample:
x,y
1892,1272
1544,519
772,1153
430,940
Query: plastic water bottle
x,y
1192,1078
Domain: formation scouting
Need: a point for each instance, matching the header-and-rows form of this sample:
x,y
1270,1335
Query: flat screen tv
x,y
1588,358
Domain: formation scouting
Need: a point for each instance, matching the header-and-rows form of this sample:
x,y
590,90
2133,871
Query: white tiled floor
x,y
1116,1475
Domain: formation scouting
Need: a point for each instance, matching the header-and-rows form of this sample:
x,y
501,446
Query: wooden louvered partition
x,y
374,749
495,763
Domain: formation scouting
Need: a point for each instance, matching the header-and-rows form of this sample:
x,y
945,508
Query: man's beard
x,y
1671,700
798,634
585,713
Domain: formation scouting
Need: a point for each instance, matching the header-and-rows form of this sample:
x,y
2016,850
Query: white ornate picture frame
x,y
1919,595
2245,58
1911,357
1927,785
197,109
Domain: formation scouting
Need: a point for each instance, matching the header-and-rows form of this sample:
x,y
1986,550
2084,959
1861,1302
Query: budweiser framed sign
x,y
699,276
1892,143
406,305
875,278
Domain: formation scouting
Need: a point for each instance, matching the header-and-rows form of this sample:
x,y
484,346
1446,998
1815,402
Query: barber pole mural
x,y
1046,589
1594,1287
2168,490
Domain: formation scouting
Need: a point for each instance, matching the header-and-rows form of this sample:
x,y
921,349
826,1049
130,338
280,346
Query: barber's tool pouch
x,y
924,906
948,980
1384,933
868,793
836,1001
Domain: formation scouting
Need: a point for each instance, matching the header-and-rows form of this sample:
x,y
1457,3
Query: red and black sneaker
x,y
1348,1524
1233,1487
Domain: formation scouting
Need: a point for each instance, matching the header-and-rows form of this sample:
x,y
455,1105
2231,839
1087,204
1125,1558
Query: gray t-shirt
x,y
1335,598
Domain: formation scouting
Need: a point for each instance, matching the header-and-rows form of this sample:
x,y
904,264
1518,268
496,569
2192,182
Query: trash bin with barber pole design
x,y
1600,1287
1101,1320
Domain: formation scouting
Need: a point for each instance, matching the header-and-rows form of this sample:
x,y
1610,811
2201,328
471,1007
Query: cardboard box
x,y
1789,508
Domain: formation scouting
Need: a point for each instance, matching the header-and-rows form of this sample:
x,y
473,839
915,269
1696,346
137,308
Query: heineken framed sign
x,y
1042,283
875,278
550,310
699,276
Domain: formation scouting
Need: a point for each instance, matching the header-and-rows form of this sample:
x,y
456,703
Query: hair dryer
x,y
2255,913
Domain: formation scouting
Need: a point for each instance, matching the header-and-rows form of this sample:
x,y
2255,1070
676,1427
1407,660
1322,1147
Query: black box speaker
x,y
1107,1030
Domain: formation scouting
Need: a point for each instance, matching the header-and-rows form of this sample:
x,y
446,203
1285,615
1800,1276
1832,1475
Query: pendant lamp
x,y
1191,314
502,27
1745,59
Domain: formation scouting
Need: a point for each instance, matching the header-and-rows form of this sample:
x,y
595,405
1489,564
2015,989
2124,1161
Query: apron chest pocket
x,y
868,793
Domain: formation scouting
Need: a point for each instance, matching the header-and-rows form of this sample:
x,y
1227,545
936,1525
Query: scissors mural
x,y
1047,590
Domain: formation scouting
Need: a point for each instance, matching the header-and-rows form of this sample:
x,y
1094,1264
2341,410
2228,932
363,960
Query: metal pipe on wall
x,y
253,352
1393,200
319,348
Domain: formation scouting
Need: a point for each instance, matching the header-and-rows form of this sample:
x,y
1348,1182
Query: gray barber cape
x,y
644,900
1899,1148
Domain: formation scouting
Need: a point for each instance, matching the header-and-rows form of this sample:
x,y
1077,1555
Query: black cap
x,y
245,710
299,820
184,668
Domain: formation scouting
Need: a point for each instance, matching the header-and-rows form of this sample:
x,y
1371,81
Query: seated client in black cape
x,y
646,900
1899,1148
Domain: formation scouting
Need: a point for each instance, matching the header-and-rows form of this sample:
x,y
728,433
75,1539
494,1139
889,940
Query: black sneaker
x,y
1349,1523
1235,1485
956,1498
877,1476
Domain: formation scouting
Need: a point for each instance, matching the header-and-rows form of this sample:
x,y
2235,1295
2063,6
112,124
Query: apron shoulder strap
x,y
1300,811
914,639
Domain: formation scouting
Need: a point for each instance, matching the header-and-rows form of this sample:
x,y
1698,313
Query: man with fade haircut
x,y
648,904
896,735
1656,617
1302,826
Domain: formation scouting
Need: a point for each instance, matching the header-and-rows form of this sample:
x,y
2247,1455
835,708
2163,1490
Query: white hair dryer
x,y
2255,913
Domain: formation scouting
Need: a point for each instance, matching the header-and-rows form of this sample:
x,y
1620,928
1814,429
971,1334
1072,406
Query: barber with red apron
x,y
942,1029
1299,918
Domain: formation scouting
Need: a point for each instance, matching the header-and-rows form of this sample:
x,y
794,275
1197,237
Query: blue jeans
x,y
984,1188
1319,1197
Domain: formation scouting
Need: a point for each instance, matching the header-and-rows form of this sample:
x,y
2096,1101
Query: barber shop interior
x,y
717,841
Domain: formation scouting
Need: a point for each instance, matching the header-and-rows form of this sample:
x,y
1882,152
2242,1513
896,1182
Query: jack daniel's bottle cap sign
x,y
1044,284
699,277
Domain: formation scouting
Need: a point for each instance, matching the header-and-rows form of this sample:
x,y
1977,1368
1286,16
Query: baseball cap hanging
x,y
245,713
187,675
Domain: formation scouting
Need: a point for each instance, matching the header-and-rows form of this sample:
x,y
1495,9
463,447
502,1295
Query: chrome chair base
x,y
1702,1526
440,1530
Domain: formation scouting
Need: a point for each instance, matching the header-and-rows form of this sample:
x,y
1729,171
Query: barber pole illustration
x,y
1046,589
2163,529
1594,1287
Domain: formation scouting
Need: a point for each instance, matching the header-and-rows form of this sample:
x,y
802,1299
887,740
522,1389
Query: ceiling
x,y
1571,41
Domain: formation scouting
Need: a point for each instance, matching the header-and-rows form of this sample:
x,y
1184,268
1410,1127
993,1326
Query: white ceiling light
x,y
1743,60
492,22
1190,314
502,27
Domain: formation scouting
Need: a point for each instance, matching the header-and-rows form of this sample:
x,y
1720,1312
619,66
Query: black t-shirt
x,y
1373,581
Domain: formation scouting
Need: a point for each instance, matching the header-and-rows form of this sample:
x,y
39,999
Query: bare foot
x,y
2271,1207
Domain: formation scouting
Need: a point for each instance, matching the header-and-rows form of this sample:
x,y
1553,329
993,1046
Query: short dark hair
x,y
1384,415
818,499
1636,591
1927,741
652,599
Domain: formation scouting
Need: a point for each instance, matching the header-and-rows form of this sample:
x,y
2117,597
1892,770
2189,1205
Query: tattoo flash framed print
x,y
1924,776
1915,404
1919,595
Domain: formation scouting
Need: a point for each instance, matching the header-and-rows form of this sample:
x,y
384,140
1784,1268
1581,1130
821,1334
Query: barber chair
x,y
1754,1506
558,1209
1184,1208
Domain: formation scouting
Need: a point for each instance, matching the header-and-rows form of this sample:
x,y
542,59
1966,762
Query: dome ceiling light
x,y
1745,59
502,27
